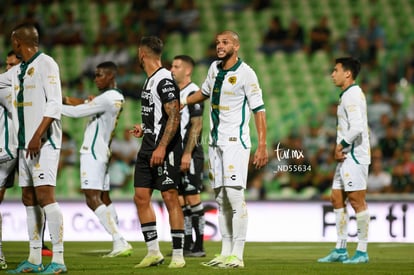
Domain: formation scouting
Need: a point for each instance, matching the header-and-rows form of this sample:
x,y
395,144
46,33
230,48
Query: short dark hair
x,y
186,58
153,43
350,63
11,53
109,65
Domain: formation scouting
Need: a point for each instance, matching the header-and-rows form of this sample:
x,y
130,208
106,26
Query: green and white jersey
x,y
233,94
37,93
352,130
8,136
104,111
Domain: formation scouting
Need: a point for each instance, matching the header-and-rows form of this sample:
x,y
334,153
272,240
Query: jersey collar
x,y
347,88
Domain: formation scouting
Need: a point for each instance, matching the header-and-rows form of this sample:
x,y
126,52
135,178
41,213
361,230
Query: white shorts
x,y
41,170
228,166
5,169
350,176
94,173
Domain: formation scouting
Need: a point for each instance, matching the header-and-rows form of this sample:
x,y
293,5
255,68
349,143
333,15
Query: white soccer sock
x,y
341,220
225,221
35,220
240,220
363,219
106,219
112,210
54,219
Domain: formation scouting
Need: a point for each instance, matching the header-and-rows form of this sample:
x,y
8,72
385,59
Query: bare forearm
x,y
194,134
196,97
43,126
261,127
72,101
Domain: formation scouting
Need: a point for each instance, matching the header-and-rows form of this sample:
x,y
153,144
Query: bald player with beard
x,y
234,92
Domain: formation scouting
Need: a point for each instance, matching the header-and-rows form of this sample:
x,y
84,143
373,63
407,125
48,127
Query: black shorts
x,y
192,183
163,178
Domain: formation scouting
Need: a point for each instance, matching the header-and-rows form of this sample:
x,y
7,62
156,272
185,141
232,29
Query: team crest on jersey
x,y
232,80
30,72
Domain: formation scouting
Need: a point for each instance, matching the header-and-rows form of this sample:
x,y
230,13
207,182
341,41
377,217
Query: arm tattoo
x,y
173,111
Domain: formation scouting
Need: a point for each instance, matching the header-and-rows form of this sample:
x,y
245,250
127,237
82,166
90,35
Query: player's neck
x,y
184,83
152,66
28,52
228,63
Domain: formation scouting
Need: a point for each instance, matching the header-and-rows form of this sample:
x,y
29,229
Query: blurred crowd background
x,y
291,44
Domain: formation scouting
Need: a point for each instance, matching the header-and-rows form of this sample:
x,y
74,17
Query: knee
x,y
358,205
170,197
141,200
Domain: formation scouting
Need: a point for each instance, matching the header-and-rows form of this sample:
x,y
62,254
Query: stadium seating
x,y
295,87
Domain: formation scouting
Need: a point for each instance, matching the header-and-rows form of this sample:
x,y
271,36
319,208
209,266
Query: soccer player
x,y
104,111
234,93
192,161
158,160
38,104
352,152
8,145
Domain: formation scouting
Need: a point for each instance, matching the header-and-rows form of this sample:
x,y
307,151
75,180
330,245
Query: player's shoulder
x,y
46,60
189,89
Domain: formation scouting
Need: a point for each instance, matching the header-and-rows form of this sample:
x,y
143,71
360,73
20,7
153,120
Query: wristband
x,y
86,101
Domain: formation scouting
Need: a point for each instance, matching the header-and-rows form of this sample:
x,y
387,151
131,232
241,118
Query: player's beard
x,y
141,63
227,56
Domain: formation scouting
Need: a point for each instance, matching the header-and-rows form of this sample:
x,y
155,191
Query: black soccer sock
x,y
188,230
198,222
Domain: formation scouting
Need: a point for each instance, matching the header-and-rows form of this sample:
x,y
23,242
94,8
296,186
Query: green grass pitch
x,y
260,258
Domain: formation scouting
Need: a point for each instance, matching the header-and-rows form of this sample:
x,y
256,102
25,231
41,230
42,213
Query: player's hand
x,y
158,156
185,162
33,148
137,131
340,156
260,157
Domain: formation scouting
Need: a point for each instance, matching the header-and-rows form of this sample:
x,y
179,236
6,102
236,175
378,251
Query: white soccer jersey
x,y
352,130
8,136
104,111
233,94
36,93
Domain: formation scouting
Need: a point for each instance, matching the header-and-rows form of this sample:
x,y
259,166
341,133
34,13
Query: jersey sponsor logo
x,y
255,88
220,107
229,93
168,89
148,96
232,80
22,104
233,139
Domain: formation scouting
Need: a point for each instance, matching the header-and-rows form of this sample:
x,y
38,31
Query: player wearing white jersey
x,y
192,161
234,93
37,100
353,155
8,144
104,111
